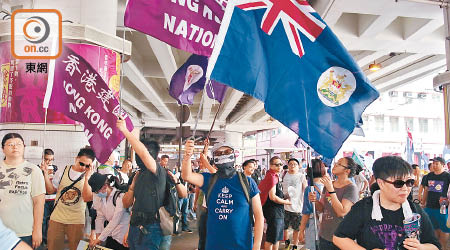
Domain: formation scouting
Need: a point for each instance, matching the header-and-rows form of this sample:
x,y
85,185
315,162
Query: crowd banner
x,y
24,82
185,24
82,95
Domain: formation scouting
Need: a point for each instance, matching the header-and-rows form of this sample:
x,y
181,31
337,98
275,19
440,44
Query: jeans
x,y
165,242
183,205
137,240
48,208
202,217
191,213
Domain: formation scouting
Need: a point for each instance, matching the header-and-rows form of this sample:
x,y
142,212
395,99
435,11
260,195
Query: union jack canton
x,y
294,15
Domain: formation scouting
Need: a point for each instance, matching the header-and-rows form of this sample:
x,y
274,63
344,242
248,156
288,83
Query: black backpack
x,y
149,197
170,202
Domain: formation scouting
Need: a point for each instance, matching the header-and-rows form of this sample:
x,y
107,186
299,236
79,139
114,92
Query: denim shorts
x,y
292,220
274,231
150,239
438,220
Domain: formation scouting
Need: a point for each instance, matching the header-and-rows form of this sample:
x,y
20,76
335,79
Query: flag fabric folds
x,y
216,90
409,148
190,79
187,25
284,54
81,94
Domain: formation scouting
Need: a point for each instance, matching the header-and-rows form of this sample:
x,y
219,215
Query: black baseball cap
x,y
97,181
439,159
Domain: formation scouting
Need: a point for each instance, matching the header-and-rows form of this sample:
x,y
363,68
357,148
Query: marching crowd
x,y
247,209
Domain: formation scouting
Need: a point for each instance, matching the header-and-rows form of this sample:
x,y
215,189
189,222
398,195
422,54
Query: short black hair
x,y
164,156
318,169
293,159
391,166
48,151
247,162
88,152
11,136
414,166
152,147
272,160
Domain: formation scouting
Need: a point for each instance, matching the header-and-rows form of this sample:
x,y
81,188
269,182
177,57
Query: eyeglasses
x,y
223,152
278,164
400,183
338,164
84,164
14,144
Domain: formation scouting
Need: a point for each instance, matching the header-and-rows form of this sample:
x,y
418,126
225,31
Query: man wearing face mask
x,y
227,202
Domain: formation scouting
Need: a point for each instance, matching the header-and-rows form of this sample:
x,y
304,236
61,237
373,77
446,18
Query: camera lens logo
x,y
36,29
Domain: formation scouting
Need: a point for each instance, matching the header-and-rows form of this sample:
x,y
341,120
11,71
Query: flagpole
x,y
45,131
316,233
121,72
198,113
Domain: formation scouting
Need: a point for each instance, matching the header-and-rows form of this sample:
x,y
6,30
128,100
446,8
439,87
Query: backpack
x,y
170,202
149,197
245,187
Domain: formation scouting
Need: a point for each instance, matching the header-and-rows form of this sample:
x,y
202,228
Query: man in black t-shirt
x,y
436,187
377,222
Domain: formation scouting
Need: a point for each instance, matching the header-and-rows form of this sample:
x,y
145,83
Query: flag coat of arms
x,y
190,79
283,53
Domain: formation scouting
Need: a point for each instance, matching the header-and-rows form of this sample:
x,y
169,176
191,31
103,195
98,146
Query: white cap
x,y
221,144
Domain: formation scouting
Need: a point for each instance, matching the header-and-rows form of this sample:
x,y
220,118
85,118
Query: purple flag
x,y
185,24
189,79
218,89
81,94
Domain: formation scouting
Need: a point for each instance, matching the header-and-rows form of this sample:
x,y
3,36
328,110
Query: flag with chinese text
x,y
81,94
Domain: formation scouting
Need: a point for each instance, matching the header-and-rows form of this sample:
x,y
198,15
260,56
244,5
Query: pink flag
x,y
81,94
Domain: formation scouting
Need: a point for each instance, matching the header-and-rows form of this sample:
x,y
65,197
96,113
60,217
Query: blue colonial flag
x,y
283,53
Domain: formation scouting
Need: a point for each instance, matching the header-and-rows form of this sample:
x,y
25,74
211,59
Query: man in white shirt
x,y
294,184
125,171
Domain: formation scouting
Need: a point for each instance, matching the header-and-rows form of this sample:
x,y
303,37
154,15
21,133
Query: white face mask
x,y
225,165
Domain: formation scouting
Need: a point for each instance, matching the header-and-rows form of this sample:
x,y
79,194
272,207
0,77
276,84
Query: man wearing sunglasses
x,y
72,193
436,187
229,224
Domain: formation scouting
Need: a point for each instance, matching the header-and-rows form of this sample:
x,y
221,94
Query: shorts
x,y
438,220
292,220
274,231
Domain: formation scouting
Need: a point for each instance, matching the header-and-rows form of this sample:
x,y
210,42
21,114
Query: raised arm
x,y
87,191
181,189
138,146
128,197
187,173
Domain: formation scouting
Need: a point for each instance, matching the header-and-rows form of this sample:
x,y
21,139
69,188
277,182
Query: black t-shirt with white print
x,y
385,234
437,188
